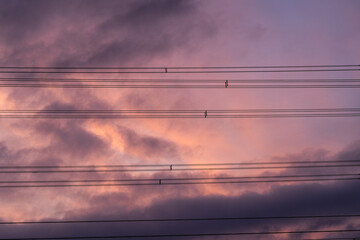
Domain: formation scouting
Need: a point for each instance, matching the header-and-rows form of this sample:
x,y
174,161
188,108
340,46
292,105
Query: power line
x,y
168,70
148,116
173,168
185,179
189,234
235,113
183,164
158,80
178,86
177,83
338,238
213,69
183,219
185,110
198,67
160,182
180,181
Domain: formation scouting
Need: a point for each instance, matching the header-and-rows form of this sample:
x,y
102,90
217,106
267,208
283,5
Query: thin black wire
x,y
266,163
277,167
184,179
343,238
199,67
177,169
75,68
183,116
189,235
183,164
200,111
285,110
184,219
159,182
176,86
189,83
149,80
168,71
239,113
287,116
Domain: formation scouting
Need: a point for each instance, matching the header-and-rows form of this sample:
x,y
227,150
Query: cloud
x,y
145,33
71,139
145,30
191,202
4,152
295,200
58,33
142,14
55,141
21,19
147,147
351,152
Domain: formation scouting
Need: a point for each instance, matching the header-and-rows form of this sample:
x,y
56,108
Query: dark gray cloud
x,y
303,199
147,28
60,139
147,146
97,32
68,137
142,14
71,139
21,19
311,156
4,152
351,152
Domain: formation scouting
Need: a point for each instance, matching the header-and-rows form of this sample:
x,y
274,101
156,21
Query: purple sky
x,y
178,33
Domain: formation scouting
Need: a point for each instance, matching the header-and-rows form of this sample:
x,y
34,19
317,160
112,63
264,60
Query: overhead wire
x,y
174,168
335,238
234,113
160,182
167,80
189,234
112,86
200,111
185,164
177,83
183,70
186,179
36,169
184,67
181,219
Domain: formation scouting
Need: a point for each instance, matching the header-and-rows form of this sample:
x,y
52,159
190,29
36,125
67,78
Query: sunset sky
x,y
179,33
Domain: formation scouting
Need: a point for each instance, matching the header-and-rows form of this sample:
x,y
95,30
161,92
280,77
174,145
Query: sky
x,y
179,33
